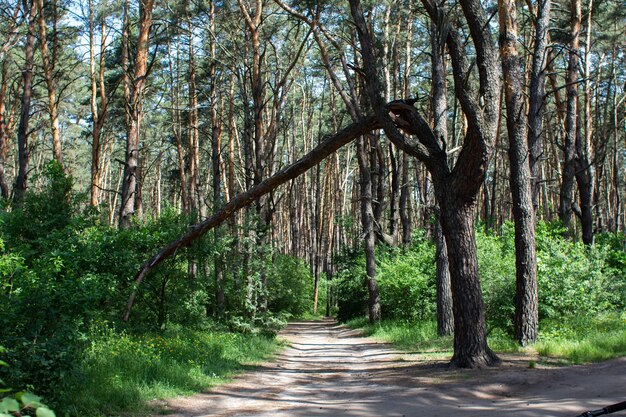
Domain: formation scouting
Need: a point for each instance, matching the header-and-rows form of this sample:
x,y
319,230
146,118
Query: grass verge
x,y
122,372
570,341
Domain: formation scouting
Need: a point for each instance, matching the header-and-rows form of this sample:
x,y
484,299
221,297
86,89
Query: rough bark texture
x,y
526,304
584,166
48,72
456,190
439,104
367,221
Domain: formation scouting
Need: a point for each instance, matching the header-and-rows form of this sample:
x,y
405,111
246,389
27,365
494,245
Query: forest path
x,y
329,370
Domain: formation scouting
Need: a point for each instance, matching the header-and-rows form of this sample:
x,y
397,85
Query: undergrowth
x,y
123,372
573,341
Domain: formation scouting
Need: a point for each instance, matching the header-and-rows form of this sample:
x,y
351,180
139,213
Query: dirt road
x,y
329,370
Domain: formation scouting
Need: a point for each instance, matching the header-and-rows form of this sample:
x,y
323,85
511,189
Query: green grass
x,y
569,340
122,372
582,340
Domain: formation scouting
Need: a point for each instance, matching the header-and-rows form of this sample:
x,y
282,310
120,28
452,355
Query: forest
x,y
181,178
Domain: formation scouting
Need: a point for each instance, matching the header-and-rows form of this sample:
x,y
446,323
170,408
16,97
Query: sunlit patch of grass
x,y
571,341
405,335
122,372
584,339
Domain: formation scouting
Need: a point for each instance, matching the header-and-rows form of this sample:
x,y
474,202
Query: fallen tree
x,y
327,147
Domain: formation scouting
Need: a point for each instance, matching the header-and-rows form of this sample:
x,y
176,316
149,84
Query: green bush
x,y
289,286
406,282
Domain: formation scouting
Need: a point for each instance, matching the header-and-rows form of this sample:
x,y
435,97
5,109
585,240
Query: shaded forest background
x,y
123,123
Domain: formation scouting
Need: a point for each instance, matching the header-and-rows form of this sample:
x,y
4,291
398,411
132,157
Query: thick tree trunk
x,y
367,222
470,333
526,304
456,189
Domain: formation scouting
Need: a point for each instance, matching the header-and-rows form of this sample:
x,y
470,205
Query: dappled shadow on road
x,y
332,371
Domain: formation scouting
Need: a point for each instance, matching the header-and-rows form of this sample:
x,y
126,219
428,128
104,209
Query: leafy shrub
x,y
406,282
289,286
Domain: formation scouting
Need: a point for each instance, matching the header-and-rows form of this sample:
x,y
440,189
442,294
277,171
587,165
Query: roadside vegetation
x,y
582,295
66,276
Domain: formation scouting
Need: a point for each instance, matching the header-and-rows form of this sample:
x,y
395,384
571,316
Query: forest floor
x,y
330,370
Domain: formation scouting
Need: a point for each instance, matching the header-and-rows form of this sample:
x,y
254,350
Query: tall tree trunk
x,y
216,132
48,71
526,304
439,104
98,114
4,129
21,180
536,94
367,221
584,166
571,118
130,185
456,189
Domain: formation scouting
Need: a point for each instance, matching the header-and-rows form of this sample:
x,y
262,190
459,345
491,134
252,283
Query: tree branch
x,y
314,157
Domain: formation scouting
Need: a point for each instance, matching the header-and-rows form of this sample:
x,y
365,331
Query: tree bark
x,y
439,104
130,184
536,94
48,71
21,180
571,118
526,304
584,166
445,312
456,190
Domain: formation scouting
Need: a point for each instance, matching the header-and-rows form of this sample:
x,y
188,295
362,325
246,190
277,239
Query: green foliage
x,y
584,339
405,277
349,284
16,404
123,371
406,282
496,267
289,286
573,280
65,278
